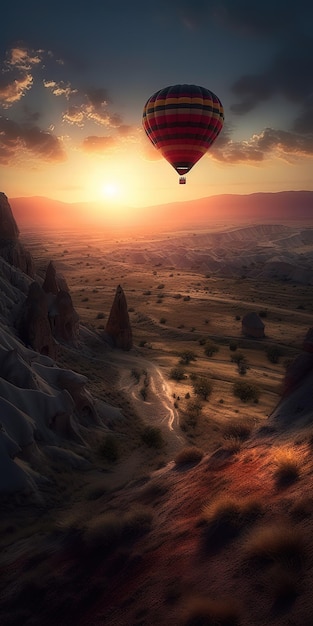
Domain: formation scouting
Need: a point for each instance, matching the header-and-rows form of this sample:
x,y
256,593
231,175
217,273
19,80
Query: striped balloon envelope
x,y
182,122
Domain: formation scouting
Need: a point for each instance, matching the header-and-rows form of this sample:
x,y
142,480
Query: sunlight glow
x,y
110,190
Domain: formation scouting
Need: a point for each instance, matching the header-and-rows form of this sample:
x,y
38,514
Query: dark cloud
x,y
290,74
98,97
266,18
17,140
303,123
270,142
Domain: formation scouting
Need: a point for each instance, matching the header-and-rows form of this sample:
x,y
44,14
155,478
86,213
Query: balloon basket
x,y
182,180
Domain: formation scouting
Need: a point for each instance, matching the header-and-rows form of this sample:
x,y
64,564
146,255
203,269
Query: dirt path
x,y
158,408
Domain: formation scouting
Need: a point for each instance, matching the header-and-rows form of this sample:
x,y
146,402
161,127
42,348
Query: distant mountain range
x,y
282,206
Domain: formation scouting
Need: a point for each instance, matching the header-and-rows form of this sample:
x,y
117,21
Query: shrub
x,y
273,354
100,316
108,449
162,320
276,544
238,429
238,358
152,437
187,455
187,356
246,391
233,345
208,612
210,348
287,470
203,387
106,532
177,373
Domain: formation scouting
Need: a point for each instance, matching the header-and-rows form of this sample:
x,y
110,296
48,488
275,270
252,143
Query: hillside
x,y
205,519
39,212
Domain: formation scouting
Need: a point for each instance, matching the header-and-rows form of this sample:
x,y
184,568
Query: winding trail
x,y
158,409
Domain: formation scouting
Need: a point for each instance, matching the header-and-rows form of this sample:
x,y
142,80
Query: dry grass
x,y
276,544
211,612
287,466
189,455
109,530
225,517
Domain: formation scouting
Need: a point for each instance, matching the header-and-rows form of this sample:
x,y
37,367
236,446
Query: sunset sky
x,y
75,77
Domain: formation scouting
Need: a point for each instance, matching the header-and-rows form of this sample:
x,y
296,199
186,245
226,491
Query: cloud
x,y
12,90
270,142
60,88
19,143
95,143
94,109
289,74
23,59
16,77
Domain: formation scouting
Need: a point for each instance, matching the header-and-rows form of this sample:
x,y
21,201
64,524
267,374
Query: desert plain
x,y
195,504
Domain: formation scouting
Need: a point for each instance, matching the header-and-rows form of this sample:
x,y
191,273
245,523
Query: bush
x,y
108,449
177,373
152,437
237,429
225,517
187,356
188,455
273,354
100,316
208,612
276,544
162,320
210,348
238,358
287,470
203,387
233,345
246,391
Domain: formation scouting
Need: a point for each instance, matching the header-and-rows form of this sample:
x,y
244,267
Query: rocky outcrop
x,y
35,329
301,366
54,282
64,320
11,249
252,326
118,325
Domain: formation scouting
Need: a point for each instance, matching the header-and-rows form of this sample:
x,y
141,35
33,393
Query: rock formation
x,y
252,326
10,247
118,325
301,366
64,320
54,282
35,328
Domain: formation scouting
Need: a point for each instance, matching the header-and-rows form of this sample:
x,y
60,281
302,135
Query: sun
x,y
110,190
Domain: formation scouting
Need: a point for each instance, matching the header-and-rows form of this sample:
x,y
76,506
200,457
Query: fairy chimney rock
x,y
35,327
252,326
63,317
8,227
50,283
11,250
54,282
118,325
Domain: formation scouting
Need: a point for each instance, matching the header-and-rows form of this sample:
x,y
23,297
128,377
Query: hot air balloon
x,y
182,122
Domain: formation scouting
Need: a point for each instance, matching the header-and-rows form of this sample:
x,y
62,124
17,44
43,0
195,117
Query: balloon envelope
x,y
182,121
